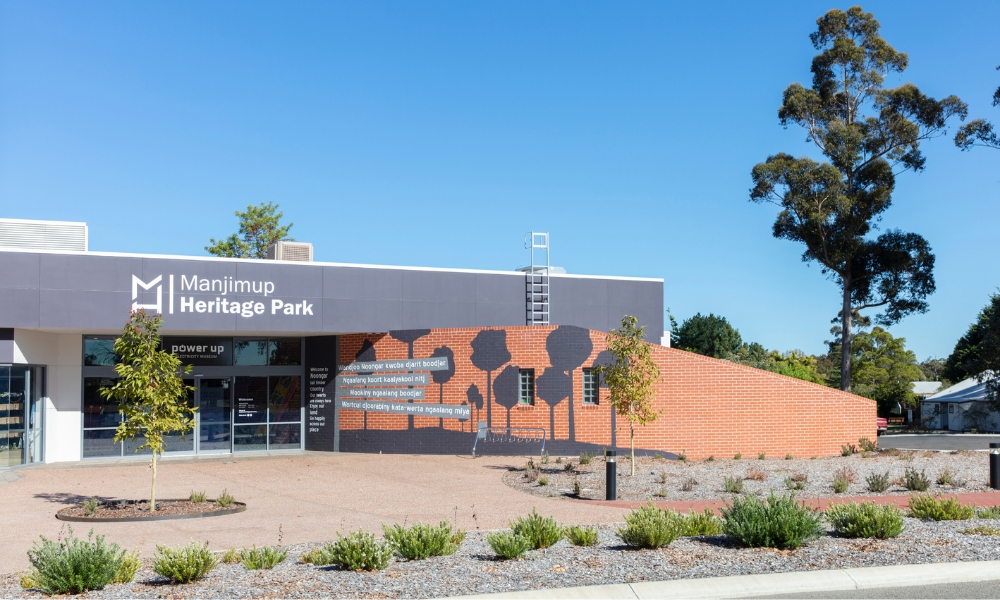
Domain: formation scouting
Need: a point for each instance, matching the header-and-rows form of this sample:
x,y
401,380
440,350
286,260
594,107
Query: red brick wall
x,y
707,406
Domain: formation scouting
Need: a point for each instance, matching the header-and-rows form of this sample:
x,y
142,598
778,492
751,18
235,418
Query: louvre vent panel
x,y
43,235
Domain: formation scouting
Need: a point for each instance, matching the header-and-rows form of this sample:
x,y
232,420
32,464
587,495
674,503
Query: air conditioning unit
x,y
297,251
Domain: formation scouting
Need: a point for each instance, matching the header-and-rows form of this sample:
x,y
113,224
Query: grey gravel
x,y
663,479
474,569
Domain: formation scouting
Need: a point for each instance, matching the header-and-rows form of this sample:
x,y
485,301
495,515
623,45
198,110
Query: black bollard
x,y
995,465
611,476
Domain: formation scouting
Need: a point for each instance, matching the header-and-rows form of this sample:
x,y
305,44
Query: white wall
x,y
62,355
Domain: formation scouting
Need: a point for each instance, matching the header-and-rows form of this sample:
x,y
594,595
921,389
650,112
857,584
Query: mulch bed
x,y
139,509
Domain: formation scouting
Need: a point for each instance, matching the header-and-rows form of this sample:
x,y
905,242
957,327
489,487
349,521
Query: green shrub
x,y
225,500
773,523
866,520
650,527
682,456
738,456
128,568
946,477
29,580
914,481
878,482
866,444
577,488
657,456
356,551
541,531
267,557
569,467
788,457
703,523
508,545
711,458
74,565
312,557
232,556
545,458
543,481
90,506
794,485
582,536
761,456
846,450
977,530
733,485
935,508
184,564
586,457
421,540
689,484
840,483
992,512
198,497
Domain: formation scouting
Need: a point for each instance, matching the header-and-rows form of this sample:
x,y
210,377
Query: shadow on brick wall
x,y
431,440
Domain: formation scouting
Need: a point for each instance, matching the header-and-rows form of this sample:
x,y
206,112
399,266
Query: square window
x,y
527,377
285,351
591,387
99,351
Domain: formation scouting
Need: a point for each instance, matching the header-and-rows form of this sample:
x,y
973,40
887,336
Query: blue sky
x,y
438,133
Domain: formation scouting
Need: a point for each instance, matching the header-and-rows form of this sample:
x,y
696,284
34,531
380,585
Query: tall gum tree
x,y
869,134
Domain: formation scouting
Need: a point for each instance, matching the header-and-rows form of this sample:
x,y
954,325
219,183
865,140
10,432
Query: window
x,y
99,351
527,386
286,351
250,352
591,387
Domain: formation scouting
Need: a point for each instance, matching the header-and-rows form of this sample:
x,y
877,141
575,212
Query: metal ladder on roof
x,y
536,279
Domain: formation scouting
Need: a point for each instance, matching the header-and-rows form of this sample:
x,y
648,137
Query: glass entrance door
x,y
20,416
215,407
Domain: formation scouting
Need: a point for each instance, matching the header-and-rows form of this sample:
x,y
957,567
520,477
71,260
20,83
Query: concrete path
x,y
309,496
881,582
938,441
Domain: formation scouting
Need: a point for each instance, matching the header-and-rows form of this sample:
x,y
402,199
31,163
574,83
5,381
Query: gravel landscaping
x,y
662,479
473,569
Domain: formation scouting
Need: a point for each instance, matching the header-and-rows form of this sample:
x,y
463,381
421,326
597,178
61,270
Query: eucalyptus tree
x,y
868,134
979,132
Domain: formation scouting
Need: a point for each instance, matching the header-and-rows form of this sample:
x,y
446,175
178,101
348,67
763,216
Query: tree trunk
x,y
845,339
152,491
631,444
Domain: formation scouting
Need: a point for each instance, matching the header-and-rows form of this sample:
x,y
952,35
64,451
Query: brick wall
x,y
707,406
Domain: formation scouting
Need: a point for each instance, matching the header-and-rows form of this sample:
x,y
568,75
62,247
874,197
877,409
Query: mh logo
x,y
138,283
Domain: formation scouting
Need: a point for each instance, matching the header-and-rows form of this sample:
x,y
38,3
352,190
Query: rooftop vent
x,y
43,235
297,251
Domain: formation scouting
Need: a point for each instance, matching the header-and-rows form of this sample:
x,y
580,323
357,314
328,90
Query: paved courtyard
x,y
310,496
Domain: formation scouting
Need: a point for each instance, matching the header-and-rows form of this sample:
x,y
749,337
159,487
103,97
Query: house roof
x,y
964,391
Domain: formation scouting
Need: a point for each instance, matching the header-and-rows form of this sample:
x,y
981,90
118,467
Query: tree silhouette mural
x,y
568,347
507,389
553,386
489,353
408,336
475,398
442,377
365,353
604,358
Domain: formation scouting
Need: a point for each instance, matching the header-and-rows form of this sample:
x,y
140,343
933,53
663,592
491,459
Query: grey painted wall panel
x,y
422,286
354,282
431,315
83,309
493,314
20,270
81,272
19,308
500,289
94,292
